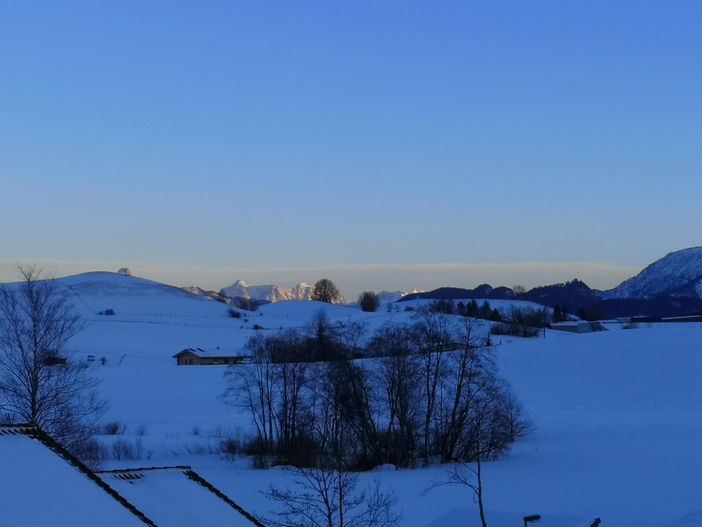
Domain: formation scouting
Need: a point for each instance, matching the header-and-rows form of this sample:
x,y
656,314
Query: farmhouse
x,y
202,357
178,497
42,484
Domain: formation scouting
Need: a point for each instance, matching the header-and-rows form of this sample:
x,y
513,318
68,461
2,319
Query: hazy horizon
x,y
352,280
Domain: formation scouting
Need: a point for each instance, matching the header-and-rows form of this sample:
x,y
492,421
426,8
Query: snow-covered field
x,y
618,414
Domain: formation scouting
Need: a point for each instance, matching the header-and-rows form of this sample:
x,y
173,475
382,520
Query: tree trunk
x,y
479,493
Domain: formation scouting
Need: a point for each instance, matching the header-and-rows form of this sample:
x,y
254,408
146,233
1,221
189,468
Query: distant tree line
x,y
521,322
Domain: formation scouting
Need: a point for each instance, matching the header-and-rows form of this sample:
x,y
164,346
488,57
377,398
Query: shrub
x,y
91,452
247,304
114,428
590,314
442,306
259,452
538,318
368,301
514,329
230,447
124,450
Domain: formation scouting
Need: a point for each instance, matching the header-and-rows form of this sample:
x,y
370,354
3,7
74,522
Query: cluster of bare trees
x,y
428,392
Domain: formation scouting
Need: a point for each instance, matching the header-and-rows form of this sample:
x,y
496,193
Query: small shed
x,y
202,357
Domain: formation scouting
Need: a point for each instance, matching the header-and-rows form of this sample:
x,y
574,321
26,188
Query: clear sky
x,y
390,142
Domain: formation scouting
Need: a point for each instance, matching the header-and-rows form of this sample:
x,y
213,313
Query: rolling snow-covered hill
x,y
677,274
603,404
97,292
617,413
151,320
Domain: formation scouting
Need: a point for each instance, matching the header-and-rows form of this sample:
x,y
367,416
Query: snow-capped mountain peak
x,y
678,273
268,292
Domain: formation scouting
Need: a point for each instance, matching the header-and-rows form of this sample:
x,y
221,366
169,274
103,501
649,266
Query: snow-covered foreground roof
x,y
40,485
177,497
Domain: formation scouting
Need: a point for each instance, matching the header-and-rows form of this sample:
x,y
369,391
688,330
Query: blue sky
x,y
288,139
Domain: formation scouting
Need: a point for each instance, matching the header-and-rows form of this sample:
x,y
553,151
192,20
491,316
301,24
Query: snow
x,y
38,486
618,413
619,422
132,297
169,498
269,293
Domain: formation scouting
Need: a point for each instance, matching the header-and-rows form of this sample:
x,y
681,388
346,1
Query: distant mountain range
x,y
671,286
275,293
268,293
678,274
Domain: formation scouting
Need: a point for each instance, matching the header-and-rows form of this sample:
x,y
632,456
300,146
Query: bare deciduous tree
x,y
496,420
433,337
470,476
252,388
325,291
328,497
399,381
40,380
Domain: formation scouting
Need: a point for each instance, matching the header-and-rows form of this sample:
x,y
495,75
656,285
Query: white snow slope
x,y
618,414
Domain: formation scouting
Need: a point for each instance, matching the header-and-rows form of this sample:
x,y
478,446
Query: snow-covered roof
x,y
42,484
178,497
